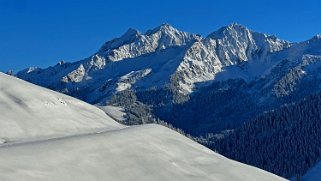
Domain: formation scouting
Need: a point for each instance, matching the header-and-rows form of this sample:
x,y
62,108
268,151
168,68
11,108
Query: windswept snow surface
x,y
89,145
30,112
148,152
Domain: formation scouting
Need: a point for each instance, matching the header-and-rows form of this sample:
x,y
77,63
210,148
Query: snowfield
x,y
148,152
31,112
50,136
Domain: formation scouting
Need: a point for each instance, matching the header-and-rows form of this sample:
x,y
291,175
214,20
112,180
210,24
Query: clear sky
x,y
42,32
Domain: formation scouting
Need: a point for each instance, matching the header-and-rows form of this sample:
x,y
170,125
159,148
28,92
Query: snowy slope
x,y
117,113
61,138
30,112
148,152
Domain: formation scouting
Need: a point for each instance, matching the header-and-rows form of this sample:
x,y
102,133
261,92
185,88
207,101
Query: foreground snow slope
x,y
61,138
29,112
148,152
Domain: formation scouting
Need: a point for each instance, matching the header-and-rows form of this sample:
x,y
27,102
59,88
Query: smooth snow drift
x,y
30,112
91,146
117,113
148,152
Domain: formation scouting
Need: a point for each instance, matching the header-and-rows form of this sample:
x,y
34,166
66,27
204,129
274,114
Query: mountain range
x,y
206,86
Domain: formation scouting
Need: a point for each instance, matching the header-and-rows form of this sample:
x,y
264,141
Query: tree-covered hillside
x,y
285,141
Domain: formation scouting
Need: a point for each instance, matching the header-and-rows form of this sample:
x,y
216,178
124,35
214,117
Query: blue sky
x,y
42,32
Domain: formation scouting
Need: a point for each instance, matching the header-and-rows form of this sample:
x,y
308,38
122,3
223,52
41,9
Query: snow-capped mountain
x,y
179,65
142,61
230,45
179,69
46,135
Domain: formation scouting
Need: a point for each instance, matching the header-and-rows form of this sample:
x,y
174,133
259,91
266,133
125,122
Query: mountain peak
x,y
165,27
129,36
229,29
131,32
317,37
235,25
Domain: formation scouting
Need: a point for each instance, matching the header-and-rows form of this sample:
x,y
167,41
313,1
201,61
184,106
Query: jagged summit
x,y
164,28
131,32
232,28
133,43
133,35
237,43
128,37
316,37
235,25
238,30
310,47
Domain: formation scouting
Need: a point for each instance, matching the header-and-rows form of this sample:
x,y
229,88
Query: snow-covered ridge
x,y
243,37
173,57
133,43
45,135
230,45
